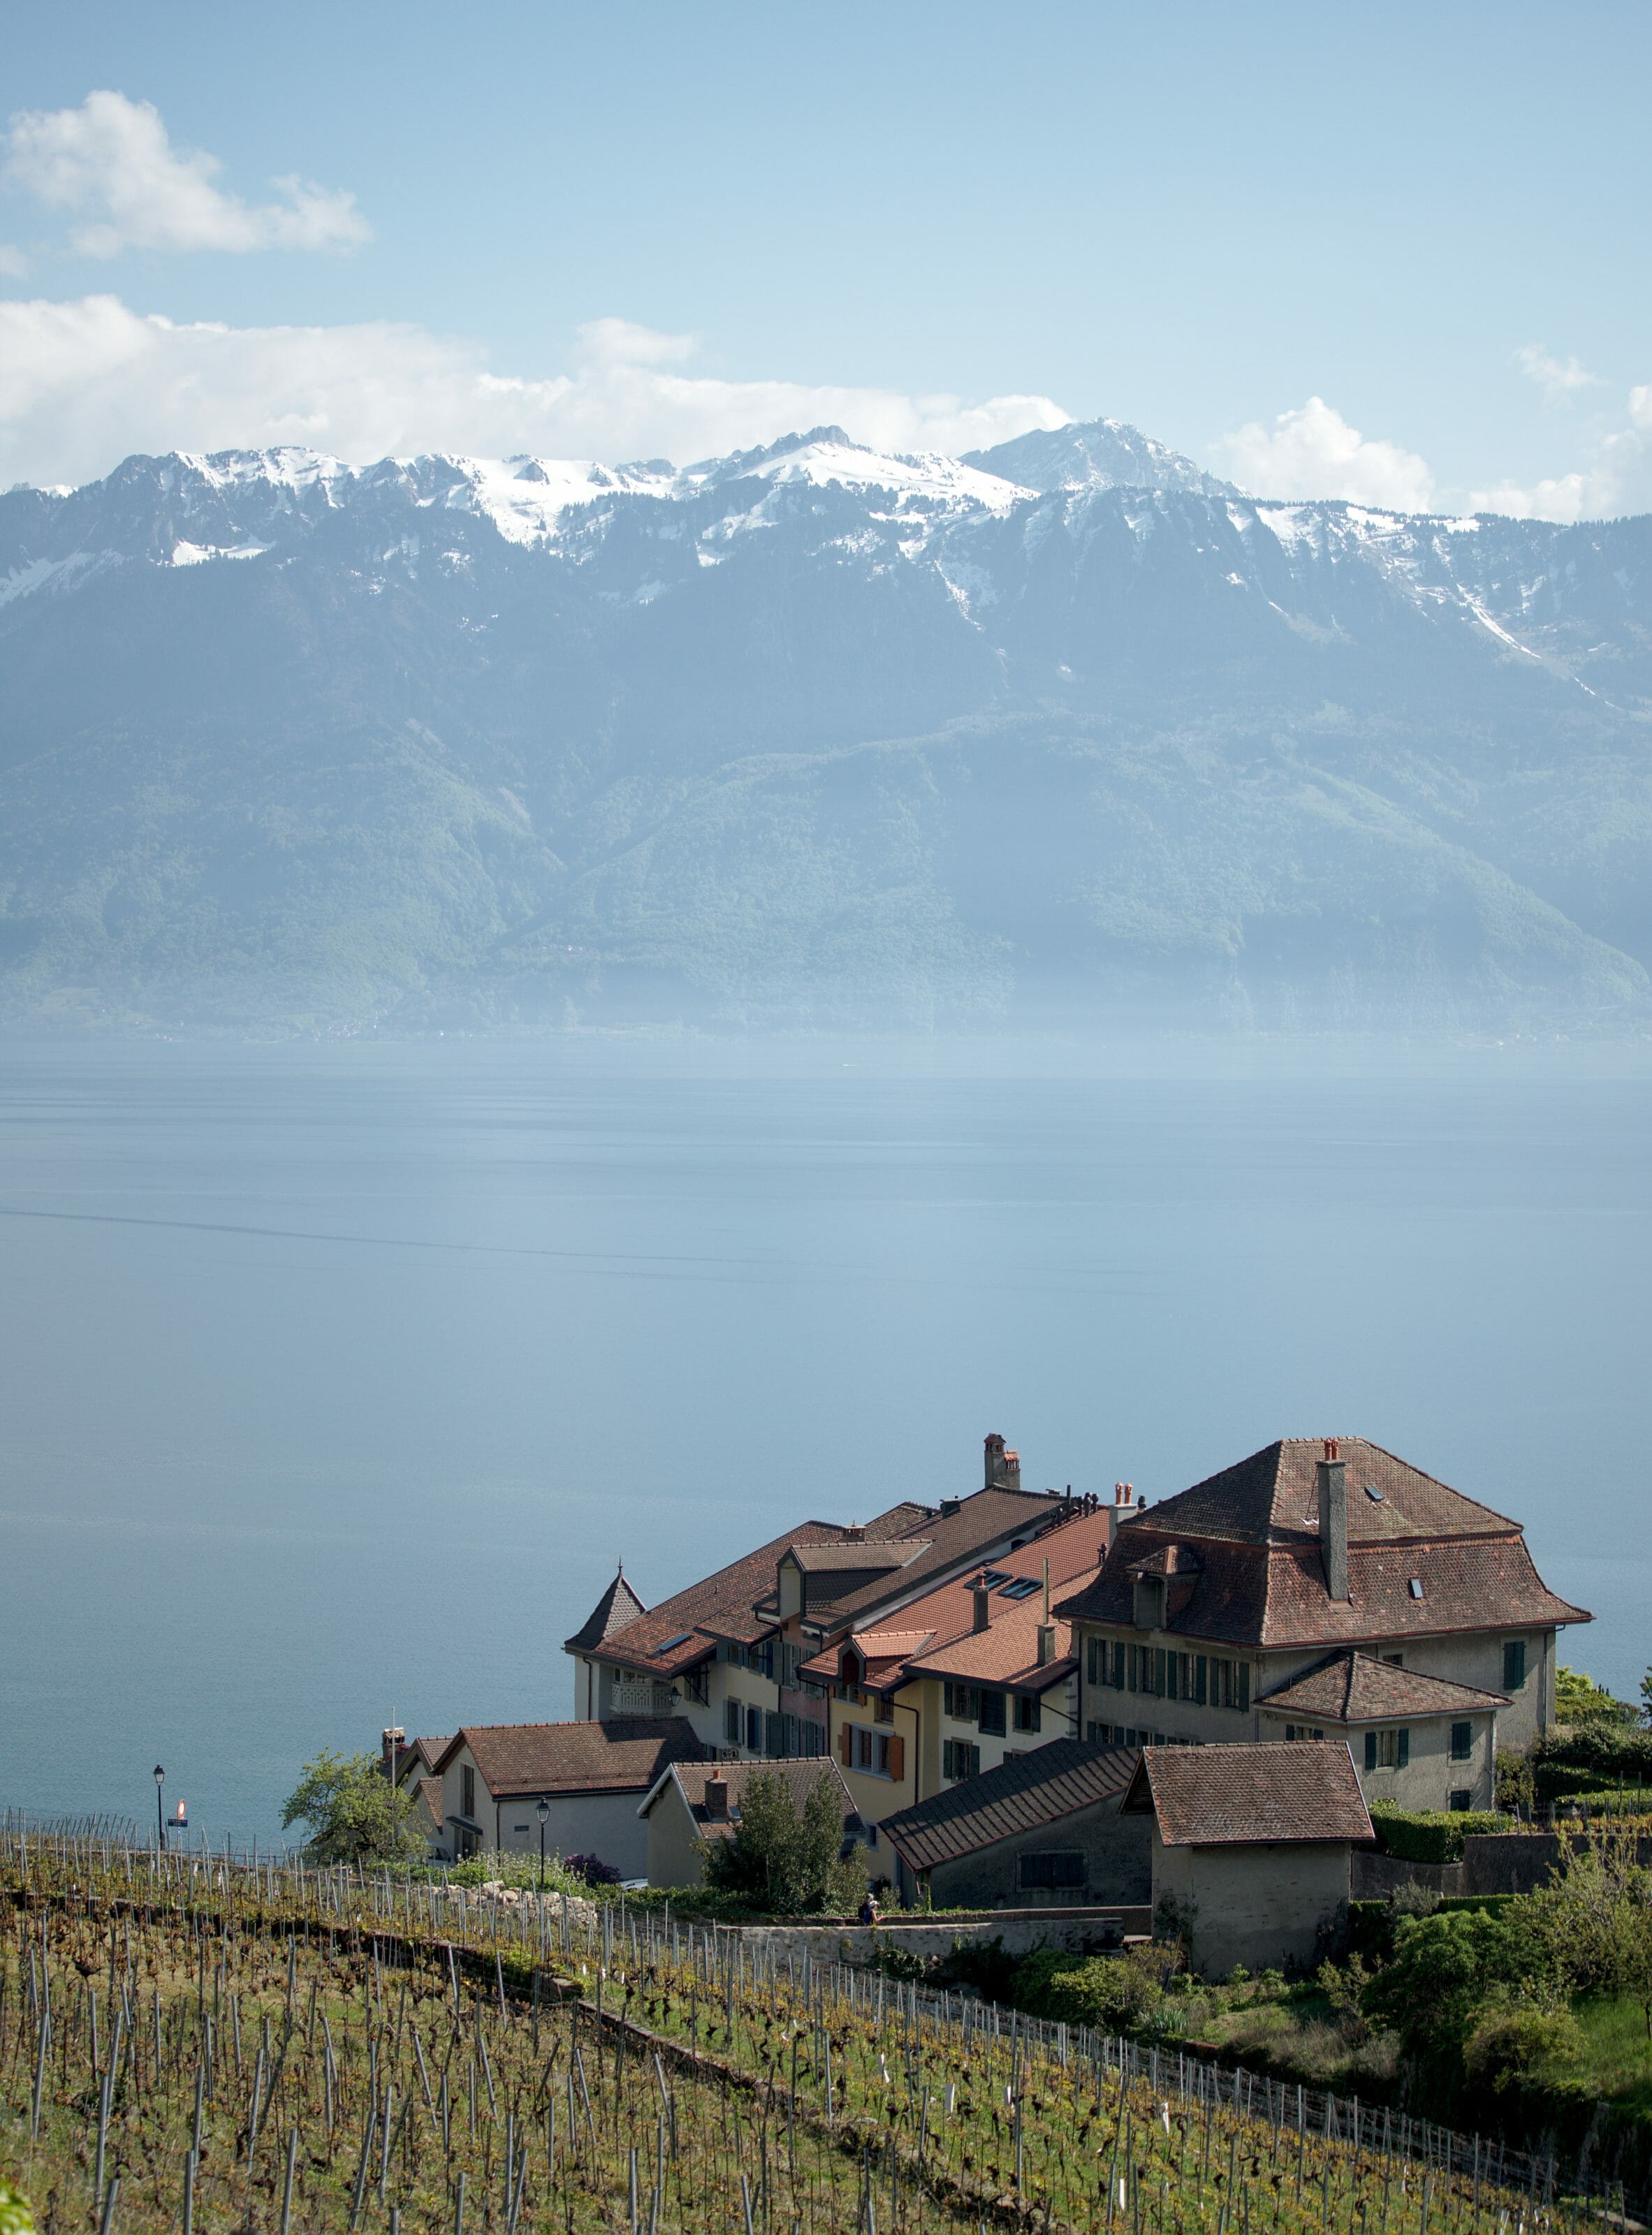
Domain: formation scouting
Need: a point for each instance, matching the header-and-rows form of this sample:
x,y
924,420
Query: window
x,y
1229,1684
1099,1733
694,1685
754,1729
991,1577
467,1791
1028,1712
874,1753
1302,1731
733,1723
1022,1587
1394,1660
1388,1749
1462,1741
1104,1662
883,1711
992,1713
1514,1664
960,1702
791,1657
1415,1587
960,1759
1064,1868
1462,1802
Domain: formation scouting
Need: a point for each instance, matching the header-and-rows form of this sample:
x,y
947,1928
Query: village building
x,y
974,1672
491,1778
1263,1603
692,1805
727,1654
1040,1830
1251,1849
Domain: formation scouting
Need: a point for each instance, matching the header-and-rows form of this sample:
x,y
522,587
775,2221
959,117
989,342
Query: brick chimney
x,y
1333,1521
1003,1468
392,1743
982,1599
716,1796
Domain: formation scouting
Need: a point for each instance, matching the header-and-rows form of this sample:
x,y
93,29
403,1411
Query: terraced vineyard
x,y
187,2043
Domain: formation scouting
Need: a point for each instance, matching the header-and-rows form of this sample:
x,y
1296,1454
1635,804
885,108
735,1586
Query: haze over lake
x,y
336,1379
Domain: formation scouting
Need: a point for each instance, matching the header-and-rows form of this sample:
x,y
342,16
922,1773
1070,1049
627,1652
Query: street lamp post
x,y
544,1813
159,1814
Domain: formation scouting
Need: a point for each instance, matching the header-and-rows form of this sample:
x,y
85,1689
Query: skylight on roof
x,y
671,1643
992,1577
1415,1587
1373,1493
1021,1587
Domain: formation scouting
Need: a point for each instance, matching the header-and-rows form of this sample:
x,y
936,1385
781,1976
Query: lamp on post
x,y
160,1816
543,1813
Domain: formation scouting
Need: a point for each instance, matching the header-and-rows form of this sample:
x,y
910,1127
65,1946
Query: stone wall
x,y
1019,1931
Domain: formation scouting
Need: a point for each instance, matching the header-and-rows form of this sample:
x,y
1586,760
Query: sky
x,y
1398,254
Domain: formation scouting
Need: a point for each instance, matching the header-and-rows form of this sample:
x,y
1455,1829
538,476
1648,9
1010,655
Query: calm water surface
x,y
333,1382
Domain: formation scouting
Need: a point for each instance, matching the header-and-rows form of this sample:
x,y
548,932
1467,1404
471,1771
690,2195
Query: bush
x,y
1615,1802
14,2216
787,1861
1522,2046
1447,1970
1611,1751
1112,1994
499,1867
1430,1835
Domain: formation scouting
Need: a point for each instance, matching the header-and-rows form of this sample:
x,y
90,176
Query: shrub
x,y
1446,1968
1612,1751
1522,2046
1430,1835
1113,1994
14,2216
786,1860
591,1869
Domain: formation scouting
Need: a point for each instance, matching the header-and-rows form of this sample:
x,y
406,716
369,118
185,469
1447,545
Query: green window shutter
x,y
1118,1668
1405,1749
1244,1686
1370,1749
1201,1667
1462,1741
1514,1664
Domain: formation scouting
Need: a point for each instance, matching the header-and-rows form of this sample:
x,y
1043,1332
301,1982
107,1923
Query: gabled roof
x,y
848,1556
801,1774
1042,1787
937,1636
1244,1549
1355,1687
519,1760
1225,1796
429,1792
678,1632
617,1606
979,1522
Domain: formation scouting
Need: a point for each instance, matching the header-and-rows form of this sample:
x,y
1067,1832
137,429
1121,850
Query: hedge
x,y
1614,1803
1610,1751
1430,1835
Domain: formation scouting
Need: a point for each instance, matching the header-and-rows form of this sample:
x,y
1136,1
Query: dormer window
x,y
1147,1611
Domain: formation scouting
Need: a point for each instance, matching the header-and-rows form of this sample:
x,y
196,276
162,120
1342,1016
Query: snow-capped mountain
x,y
1066,727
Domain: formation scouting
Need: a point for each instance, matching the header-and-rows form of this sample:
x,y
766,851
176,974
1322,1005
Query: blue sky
x,y
671,227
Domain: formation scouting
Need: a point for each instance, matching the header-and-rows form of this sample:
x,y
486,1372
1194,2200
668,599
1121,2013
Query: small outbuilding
x,y
693,1804
1252,1844
1042,1830
490,1779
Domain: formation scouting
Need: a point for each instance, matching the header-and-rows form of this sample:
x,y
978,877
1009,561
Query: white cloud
x,y
111,159
1313,451
1618,479
84,383
1558,377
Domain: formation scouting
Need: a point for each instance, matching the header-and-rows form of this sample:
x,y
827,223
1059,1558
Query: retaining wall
x,y
1019,1931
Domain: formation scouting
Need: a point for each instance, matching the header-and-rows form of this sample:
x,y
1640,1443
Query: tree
x,y
354,1813
1646,1697
1579,1699
1447,1970
1594,1917
781,1861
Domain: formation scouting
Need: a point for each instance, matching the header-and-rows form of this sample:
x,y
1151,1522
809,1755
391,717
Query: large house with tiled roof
x,y
727,1654
973,1672
1324,1589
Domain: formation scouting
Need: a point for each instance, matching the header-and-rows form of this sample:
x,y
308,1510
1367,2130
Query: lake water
x,y
333,1381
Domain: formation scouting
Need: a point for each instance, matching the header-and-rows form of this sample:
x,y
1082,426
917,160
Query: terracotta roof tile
x,y
625,1754
679,1630
849,1557
1041,1787
1354,1688
1219,1796
950,1538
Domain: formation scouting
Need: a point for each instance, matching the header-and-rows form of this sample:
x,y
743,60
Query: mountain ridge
x,y
813,733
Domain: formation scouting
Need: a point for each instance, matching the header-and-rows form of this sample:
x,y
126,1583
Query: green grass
x,y
1617,2066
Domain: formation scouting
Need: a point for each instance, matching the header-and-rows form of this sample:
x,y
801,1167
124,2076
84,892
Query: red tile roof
x,y
624,1755
1224,1796
1255,1576
1354,1688
1038,1788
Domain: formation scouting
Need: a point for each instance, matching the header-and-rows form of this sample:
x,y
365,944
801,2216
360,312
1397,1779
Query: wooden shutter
x,y
1370,1749
846,1746
897,1758
1404,1750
